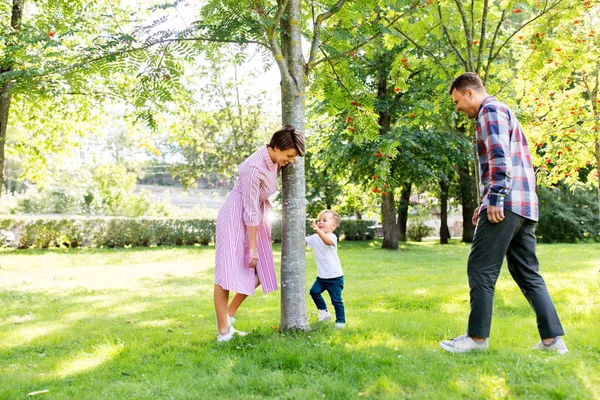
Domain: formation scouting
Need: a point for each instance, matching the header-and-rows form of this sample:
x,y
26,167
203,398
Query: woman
x,y
244,256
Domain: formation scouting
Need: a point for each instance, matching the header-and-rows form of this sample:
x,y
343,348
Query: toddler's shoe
x,y
463,344
324,315
340,325
558,345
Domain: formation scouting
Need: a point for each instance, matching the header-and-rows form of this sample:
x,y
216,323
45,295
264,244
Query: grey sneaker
x,y
558,345
324,315
463,344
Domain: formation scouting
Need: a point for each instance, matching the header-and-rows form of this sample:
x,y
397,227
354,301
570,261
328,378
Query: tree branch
x,y
318,24
436,59
468,37
274,44
482,37
544,11
369,40
496,32
450,42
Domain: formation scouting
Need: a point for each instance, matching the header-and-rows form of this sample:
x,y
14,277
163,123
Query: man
x,y
505,220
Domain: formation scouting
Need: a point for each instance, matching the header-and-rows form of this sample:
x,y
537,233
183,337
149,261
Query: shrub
x,y
418,230
44,232
567,215
348,230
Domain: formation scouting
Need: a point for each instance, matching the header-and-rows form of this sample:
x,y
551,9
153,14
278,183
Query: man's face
x,y
465,102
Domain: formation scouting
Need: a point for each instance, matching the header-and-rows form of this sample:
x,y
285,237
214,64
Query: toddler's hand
x,y
314,226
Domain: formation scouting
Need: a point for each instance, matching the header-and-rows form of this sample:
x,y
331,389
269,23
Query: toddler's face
x,y
326,223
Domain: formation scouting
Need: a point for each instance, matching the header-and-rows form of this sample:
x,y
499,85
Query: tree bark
x,y
294,314
5,92
444,232
388,208
403,211
467,196
390,229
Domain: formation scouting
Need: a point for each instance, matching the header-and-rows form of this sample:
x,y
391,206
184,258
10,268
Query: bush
x,y
44,232
418,230
348,230
567,215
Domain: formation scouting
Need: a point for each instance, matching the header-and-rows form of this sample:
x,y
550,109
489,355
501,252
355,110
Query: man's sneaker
x,y
324,315
558,345
340,325
226,337
463,344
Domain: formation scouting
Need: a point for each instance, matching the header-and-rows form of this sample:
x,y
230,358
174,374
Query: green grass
x,y
139,323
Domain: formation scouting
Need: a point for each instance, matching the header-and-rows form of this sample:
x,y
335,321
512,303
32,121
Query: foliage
x,y
224,121
139,323
46,232
560,97
567,215
91,190
418,230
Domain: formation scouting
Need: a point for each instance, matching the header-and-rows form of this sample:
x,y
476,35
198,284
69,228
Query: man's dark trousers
x,y
515,238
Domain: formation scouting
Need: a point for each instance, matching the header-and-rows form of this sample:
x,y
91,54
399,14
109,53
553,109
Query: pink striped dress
x,y
247,204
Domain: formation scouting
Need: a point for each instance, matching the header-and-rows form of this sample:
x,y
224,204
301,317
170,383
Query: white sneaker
x,y
324,315
463,344
340,325
226,337
239,333
230,320
558,345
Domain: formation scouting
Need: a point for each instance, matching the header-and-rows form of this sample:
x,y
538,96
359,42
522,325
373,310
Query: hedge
x,y
45,231
348,230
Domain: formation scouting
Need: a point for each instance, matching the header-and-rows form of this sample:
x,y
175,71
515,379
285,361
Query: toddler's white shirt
x,y
328,262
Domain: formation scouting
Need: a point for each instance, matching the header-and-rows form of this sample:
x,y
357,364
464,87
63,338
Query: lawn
x,y
139,324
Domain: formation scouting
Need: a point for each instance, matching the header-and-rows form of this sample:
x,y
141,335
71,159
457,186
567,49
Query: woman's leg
x,y
221,298
238,299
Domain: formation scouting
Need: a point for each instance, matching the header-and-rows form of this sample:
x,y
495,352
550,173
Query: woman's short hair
x,y
466,80
288,137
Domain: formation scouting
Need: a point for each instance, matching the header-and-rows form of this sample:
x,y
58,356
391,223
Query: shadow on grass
x,y
158,341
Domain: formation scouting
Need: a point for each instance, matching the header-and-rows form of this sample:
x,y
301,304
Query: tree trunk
x,y
388,209
467,196
390,229
403,211
444,231
598,174
357,214
294,314
5,92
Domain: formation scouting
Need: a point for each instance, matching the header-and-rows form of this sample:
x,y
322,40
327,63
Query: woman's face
x,y
284,157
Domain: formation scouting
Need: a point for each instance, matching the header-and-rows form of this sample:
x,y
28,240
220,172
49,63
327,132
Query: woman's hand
x,y
253,258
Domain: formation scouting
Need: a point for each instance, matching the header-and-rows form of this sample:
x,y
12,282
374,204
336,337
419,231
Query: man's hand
x,y
495,214
475,216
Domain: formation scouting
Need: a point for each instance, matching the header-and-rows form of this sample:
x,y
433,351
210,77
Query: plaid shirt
x,y
507,177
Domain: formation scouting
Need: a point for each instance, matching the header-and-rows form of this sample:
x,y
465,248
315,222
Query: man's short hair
x,y
335,216
466,80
